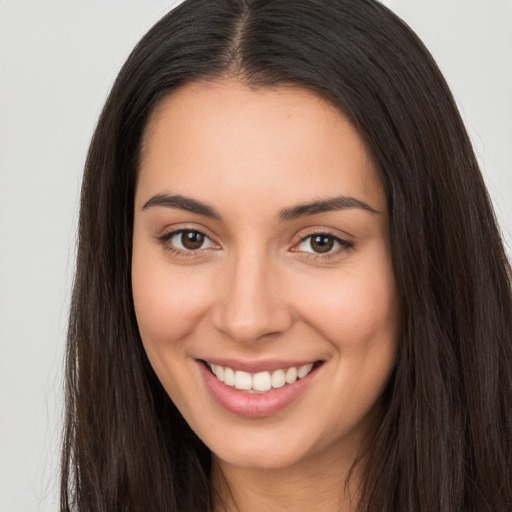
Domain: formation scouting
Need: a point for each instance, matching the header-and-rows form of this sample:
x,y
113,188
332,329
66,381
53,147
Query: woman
x,y
291,293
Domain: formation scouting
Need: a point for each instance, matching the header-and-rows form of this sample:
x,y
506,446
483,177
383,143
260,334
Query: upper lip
x,y
256,366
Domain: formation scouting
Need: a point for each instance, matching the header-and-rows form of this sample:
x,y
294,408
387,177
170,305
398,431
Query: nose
x,y
251,304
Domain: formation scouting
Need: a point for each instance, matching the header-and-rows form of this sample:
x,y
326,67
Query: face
x,y
261,254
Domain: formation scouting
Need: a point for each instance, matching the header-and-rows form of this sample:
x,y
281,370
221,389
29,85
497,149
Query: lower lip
x,y
250,405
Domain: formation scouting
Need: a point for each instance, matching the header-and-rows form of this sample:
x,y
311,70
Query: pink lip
x,y
268,365
255,405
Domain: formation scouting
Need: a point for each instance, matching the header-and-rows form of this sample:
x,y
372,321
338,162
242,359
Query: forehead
x,y
227,137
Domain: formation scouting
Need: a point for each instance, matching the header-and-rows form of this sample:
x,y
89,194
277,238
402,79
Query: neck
x,y
319,483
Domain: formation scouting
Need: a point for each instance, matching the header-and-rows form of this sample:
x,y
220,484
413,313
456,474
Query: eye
x,y
186,240
322,243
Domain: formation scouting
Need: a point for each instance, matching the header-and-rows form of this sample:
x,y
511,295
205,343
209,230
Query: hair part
x,y
444,437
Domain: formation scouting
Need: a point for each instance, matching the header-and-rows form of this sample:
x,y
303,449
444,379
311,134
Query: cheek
x,y
358,314
369,309
169,300
356,309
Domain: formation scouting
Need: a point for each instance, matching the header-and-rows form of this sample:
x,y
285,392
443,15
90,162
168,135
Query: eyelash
x,y
344,245
165,241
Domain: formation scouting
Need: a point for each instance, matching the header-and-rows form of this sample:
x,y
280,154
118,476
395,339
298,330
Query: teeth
x,y
278,379
261,381
218,371
243,380
304,370
291,375
229,377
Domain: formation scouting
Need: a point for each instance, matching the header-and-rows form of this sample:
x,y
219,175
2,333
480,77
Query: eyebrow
x,y
182,203
302,210
322,206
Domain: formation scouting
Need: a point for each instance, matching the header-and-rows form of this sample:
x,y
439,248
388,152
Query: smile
x,y
260,382
258,393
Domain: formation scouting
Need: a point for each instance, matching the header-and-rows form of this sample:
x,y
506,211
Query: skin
x,y
255,291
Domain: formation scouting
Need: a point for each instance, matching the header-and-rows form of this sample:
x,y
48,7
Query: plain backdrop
x,y
58,60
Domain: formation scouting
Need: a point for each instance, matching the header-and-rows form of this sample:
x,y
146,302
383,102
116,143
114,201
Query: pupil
x,y
192,240
322,243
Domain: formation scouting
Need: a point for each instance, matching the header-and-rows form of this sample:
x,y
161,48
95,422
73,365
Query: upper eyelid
x,y
165,239
316,231
172,233
321,233
345,244
324,230
172,230
344,238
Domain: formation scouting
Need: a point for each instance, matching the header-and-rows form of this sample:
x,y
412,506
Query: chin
x,y
255,459
266,450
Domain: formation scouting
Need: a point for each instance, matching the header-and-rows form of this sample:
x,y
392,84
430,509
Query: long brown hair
x,y
444,442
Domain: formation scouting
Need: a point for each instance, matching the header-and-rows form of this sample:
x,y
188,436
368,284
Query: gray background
x,y
58,59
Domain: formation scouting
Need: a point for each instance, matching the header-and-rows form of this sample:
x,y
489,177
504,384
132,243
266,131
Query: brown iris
x,y
192,240
322,243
